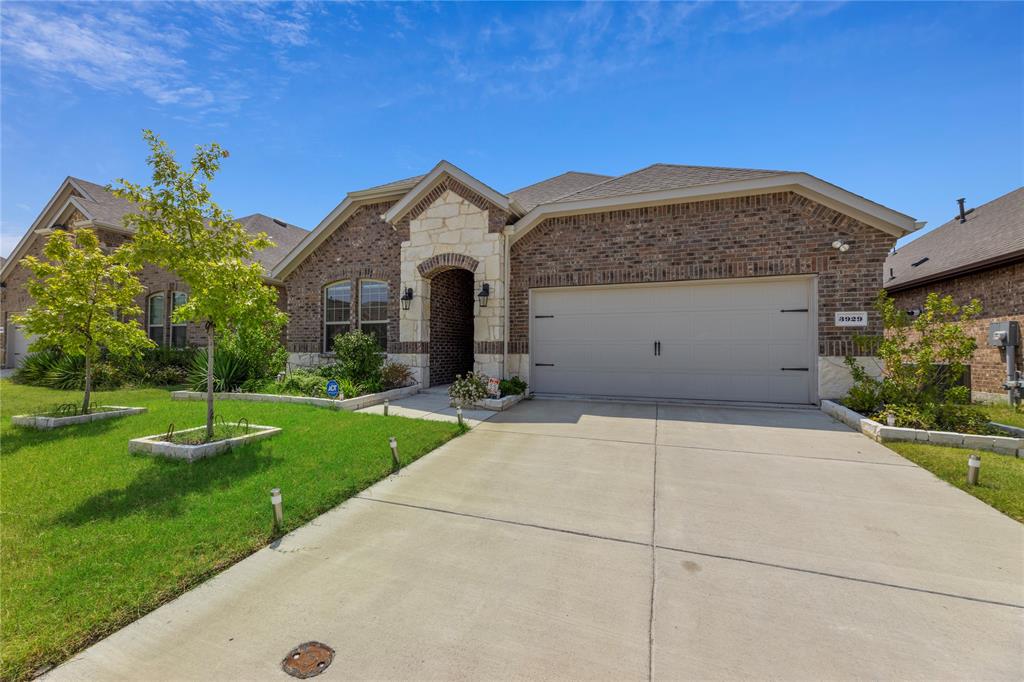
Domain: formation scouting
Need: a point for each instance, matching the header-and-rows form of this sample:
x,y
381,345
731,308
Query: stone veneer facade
x,y
1001,292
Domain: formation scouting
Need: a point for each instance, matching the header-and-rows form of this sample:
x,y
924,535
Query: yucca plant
x,y
229,371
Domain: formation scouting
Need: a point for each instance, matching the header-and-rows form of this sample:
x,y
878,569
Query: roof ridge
x,y
734,168
560,175
604,182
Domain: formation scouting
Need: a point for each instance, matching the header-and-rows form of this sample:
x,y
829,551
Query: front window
x,y
155,318
178,329
373,310
337,312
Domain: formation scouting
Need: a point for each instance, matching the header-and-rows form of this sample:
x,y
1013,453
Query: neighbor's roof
x,y
284,235
992,234
101,204
555,188
664,176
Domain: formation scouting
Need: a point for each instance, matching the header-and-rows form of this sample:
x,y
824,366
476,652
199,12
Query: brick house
x,y
82,204
671,281
978,254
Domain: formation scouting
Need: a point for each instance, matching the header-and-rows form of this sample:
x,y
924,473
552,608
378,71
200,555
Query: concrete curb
x,y
499,404
1006,445
349,404
44,423
156,445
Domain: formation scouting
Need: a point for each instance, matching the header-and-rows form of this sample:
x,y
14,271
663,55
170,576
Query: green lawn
x,y
1004,414
93,538
1000,481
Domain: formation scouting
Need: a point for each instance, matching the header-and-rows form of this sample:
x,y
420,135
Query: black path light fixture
x,y
485,293
407,298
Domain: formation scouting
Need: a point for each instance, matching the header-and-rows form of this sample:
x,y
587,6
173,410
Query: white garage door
x,y
747,340
17,345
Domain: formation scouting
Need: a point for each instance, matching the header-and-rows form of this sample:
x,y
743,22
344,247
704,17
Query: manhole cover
x,y
308,660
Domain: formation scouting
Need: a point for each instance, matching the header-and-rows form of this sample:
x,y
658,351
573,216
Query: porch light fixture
x,y
485,292
407,299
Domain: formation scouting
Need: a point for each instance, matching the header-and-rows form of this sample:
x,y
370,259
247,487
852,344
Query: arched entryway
x,y
451,325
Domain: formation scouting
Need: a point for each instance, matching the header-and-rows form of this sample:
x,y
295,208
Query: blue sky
x,y
911,105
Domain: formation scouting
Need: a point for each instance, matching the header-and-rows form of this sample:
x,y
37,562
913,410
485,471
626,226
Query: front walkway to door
x,y
610,541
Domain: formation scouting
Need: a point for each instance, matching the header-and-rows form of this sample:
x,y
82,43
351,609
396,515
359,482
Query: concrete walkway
x,y
606,541
431,403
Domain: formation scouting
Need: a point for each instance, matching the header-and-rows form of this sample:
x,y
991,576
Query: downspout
x,y
506,273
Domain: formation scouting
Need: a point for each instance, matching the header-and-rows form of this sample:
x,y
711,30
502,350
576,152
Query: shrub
x,y
468,389
309,382
513,386
906,416
257,346
961,418
359,357
395,375
35,367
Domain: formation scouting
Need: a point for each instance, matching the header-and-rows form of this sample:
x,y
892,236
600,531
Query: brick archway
x,y
447,261
451,324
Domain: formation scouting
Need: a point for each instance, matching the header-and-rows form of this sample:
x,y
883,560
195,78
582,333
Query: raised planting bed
x,y
1009,444
349,404
496,404
188,444
54,420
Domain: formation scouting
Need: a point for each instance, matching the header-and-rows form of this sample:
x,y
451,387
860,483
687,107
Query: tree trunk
x,y
88,384
209,382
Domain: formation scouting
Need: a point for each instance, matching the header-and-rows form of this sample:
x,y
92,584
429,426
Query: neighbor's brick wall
x,y
766,235
451,325
364,247
1001,292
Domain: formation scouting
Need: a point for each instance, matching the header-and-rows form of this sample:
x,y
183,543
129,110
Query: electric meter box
x,y
1003,334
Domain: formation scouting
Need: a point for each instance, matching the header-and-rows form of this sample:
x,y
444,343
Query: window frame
x,y
378,322
162,324
345,324
179,325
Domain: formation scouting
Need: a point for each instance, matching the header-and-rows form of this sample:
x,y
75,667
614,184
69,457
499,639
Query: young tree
x,y
179,227
83,301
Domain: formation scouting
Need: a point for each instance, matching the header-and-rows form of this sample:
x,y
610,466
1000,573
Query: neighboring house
x,y
672,281
978,254
79,203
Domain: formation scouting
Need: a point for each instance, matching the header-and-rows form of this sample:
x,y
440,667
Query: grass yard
x,y
1000,482
1004,414
93,538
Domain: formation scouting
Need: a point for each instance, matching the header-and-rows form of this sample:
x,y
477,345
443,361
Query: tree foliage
x,y
179,227
83,301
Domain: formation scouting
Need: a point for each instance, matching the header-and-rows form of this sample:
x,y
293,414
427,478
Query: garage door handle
x,y
796,369
543,364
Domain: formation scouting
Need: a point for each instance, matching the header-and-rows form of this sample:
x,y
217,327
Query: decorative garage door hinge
x,y
796,369
793,310
537,317
543,364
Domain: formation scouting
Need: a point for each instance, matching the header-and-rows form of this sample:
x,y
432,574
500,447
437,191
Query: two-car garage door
x,y
741,340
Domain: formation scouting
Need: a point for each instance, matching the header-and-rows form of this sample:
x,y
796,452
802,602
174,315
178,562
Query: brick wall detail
x,y
451,325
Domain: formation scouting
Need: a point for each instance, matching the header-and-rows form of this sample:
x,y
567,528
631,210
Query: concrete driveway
x,y
589,540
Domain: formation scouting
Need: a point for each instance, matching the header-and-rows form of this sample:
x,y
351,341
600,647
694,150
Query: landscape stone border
x,y
156,445
45,423
349,404
499,404
1006,445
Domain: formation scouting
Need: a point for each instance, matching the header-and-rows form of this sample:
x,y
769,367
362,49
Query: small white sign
x,y
854,319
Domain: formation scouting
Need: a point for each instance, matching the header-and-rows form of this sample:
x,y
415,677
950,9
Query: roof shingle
x,y
553,188
663,176
992,232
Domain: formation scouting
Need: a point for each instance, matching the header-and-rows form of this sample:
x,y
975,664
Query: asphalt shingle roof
x,y
102,205
992,232
551,189
663,176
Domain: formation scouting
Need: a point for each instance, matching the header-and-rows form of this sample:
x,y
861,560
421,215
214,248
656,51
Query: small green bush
x,y
35,367
513,386
359,357
468,389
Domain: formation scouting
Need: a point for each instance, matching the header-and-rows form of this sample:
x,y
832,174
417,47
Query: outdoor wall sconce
x,y
840,245
407,298
485,292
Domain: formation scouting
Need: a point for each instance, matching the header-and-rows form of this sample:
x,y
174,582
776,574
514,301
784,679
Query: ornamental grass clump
x,y
925,360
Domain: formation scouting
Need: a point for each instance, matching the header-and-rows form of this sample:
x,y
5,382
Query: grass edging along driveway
x,y
93,538
1000,481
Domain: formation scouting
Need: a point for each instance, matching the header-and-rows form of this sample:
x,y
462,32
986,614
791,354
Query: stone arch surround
x,y
447,261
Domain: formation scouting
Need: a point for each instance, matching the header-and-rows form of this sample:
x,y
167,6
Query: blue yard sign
x,y
333,389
